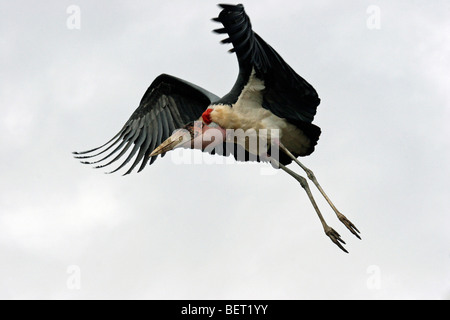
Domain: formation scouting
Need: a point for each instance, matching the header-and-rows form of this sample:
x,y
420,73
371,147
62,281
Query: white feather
x,y
249,115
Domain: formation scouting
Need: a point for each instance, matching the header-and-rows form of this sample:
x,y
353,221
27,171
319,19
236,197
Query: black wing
x,y
287,94
168,104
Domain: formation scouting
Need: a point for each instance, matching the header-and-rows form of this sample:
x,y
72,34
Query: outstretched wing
x,y
168,104
287,94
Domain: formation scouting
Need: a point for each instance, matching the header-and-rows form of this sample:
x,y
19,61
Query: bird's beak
x,y
178,139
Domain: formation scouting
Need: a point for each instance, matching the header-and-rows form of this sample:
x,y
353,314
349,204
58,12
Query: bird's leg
x,y
330,232
312,177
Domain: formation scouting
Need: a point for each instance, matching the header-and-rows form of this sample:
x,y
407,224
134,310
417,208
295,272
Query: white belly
x,y
249,115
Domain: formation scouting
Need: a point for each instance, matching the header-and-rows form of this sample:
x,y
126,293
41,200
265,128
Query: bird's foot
x,y
335,237
350,226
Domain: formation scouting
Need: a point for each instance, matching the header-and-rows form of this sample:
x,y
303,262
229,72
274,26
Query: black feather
x,y
287,94
168,103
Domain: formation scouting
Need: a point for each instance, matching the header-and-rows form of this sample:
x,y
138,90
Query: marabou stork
x,y
267,95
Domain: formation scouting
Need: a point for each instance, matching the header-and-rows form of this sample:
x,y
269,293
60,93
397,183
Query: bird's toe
x,y
336,238
350,226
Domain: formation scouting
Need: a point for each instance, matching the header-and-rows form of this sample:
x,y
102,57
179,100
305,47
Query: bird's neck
x,y
212,135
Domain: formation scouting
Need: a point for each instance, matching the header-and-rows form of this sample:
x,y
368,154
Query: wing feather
x,y
168,104
287,94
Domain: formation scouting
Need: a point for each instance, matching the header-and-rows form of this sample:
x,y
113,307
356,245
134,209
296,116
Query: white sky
x,y
224,231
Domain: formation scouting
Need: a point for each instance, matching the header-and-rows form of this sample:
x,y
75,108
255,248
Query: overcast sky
x,y
72,75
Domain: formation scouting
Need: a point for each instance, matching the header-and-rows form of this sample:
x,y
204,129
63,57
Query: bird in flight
x,y
267,116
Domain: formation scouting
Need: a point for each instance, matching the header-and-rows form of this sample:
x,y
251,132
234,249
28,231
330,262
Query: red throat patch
x,y
206,116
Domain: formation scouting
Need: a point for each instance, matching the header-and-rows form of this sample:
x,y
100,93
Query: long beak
x,y
178,139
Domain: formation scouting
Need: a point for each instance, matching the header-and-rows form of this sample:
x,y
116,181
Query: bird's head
x,y
193,135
